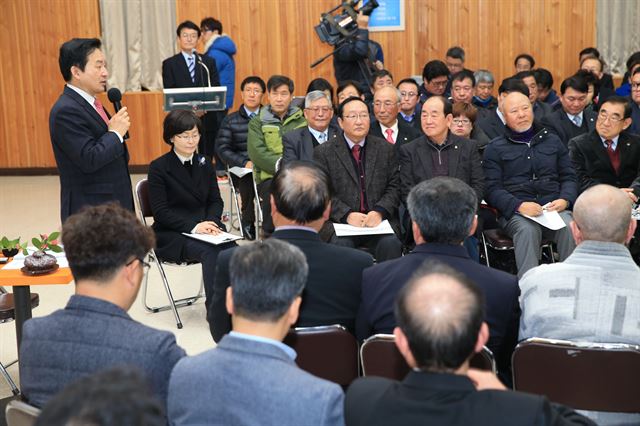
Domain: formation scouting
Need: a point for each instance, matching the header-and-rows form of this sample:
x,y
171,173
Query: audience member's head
x,y
300,195
182,130
591,52
462,85
188,34
544,79
409,95
614,116
529,79
484,84
210,27
380,79
510,85
634,81
591,81
435,76
280,92
524,62
82,64
267,279
633,62
603,213
318,110
252,89
353,118
115,397
440,319
386,105
321,84
443,211
436,118
105,246
573,95
454,58
347,89
518,112
464,117
594,65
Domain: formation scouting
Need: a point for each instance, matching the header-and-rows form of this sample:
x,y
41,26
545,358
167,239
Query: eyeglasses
x,y
462,88
316,110
635,86
461,121
354,117
442,83
189,36
613,118
145,265
195,137
253,91
408,94
386,104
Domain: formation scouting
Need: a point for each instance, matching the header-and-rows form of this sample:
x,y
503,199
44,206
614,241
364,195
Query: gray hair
x,y
314,96
603,213
484,76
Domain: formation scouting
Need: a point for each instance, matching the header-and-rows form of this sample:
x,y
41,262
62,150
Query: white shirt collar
x,y
501,116
87,97
187,56
183,159
316,134
572,117
352,144
249,112
394,128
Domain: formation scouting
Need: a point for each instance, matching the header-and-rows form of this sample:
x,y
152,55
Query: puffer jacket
x,y
231,142
222,50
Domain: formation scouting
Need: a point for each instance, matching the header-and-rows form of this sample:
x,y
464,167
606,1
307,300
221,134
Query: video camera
x,y
335,29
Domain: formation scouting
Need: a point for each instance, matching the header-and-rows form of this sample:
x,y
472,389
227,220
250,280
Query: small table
x,y
22,293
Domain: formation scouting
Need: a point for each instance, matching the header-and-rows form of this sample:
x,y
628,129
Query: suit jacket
x,y
87,336
406,132
298,144
175,72
491,125
592,164
448,399
382,282
180,200
560,124
92,162
464,163
382,179
332,292
248,382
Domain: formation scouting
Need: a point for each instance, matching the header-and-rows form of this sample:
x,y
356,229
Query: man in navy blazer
x,y
89,148
443,213
105,246
251,377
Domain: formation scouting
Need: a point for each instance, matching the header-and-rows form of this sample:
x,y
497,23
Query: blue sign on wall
x,y
389,16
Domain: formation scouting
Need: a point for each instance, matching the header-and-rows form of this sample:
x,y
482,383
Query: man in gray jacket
x,y
251,377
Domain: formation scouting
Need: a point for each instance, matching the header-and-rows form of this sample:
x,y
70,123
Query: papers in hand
x,y
549,219
221,238
344,230
239,171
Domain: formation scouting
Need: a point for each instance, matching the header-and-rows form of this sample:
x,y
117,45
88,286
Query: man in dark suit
x,y
301,202
540,109
443,212
89,148
386,106
409,105
299,144
493,122
189,69
572,119
440,327
364,175
105,246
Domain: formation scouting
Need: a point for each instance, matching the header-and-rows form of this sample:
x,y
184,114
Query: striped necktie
x,y
192,68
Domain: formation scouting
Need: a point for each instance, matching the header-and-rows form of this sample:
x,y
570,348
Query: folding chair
x,y
582,375
234,204
498,240
258,206
20,413
142,196
379,356
329,352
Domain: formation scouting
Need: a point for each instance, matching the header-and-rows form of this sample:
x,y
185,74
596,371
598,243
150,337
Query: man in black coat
x,y
300,204
189,69
443,213
386,107
493,121
440,327
88,145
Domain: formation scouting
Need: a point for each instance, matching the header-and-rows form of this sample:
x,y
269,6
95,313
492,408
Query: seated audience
x,y
596,67
105,246
483,96
526,170
587,52
463,84
633,63
435,77
347,89
493,122
364,176
454,59
300,205
524,62
546,93
386,105
299,144
440,327
115,397
591,87
593,295
380,79
231,145
443,213
251,376
635,101
184,198
540,109
572,119
463,125
409,106
322,85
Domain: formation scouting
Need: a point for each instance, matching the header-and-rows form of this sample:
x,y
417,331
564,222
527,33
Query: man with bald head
x,y
528,170
440,327
386,105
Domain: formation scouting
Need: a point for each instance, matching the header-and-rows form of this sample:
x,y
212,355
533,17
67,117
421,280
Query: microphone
x,y
204,66
115,97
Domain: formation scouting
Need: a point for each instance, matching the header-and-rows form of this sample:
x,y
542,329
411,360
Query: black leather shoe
x,y
249,232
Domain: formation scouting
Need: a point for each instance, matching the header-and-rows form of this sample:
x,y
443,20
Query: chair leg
x,y
486,250
258,208
234,203
172,304
7,377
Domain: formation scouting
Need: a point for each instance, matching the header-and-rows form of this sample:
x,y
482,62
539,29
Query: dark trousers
x,y
264,190
244,186
382,247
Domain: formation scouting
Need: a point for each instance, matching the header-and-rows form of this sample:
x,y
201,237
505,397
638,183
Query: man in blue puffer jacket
x,y
220,47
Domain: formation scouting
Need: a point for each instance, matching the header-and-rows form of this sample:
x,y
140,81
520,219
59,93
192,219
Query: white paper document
x,y
344,230
548,219
221,238
239,171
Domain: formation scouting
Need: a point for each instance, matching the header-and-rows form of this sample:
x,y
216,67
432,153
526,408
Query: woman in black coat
x,y
184,196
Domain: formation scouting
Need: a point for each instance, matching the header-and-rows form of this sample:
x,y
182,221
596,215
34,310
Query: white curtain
x,y
137,35
618,29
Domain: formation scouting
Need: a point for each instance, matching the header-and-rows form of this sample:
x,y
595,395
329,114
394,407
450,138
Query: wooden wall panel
x,y
273,36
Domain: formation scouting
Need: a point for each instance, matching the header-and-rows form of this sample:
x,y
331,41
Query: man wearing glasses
x,y
386,105
409,105
105,246
365,181
435,77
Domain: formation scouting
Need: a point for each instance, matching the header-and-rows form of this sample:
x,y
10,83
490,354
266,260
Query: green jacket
x,y
264,141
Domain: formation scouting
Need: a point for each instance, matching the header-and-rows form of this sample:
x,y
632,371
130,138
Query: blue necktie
x,y
192,69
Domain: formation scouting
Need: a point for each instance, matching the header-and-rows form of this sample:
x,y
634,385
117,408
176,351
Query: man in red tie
x,y
88,145
386,106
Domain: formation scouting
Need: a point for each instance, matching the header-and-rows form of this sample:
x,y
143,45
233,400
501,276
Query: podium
x,y
195,99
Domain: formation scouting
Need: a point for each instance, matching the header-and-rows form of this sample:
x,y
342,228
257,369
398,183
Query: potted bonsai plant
x,y
12,247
